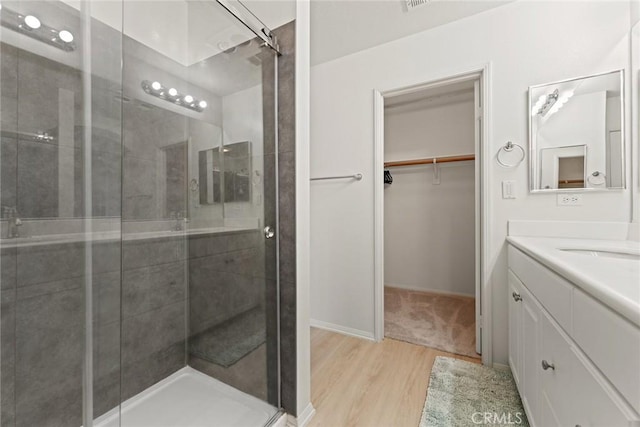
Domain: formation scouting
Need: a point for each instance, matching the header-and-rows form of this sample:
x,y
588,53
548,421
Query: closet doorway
x,y
429,215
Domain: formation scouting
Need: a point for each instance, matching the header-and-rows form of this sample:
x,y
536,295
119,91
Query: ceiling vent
x,y
412,4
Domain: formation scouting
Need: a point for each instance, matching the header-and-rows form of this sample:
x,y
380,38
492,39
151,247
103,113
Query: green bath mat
x,y
461,393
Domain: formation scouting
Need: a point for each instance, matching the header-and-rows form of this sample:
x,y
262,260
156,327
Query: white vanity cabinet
x,y
560,382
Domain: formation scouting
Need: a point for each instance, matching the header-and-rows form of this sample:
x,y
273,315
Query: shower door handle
x,y
269,232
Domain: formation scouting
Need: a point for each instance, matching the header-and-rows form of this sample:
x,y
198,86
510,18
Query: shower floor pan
x,y
189,398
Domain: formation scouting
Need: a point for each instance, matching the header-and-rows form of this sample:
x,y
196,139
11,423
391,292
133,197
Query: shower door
x,y
138,187
60,163
199,160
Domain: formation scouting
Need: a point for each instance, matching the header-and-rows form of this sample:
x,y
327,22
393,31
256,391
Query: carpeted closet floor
x,y
443,322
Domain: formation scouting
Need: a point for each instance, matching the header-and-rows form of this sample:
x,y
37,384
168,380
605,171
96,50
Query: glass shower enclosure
x,y
138,191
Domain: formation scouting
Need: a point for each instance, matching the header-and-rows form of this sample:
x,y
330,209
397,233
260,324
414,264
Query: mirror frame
x,y
534,162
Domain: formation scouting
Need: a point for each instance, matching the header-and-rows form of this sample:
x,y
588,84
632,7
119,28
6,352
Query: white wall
x,y
635,95
523,47
429,229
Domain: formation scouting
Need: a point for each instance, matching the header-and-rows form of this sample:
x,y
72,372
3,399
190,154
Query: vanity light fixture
x,y
172,95
562,99
551,103
550,100
538,105
65,36
32,22
32,26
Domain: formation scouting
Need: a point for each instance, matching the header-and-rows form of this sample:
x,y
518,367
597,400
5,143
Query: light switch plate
x,y
508,189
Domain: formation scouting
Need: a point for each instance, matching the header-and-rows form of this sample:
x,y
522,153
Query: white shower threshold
x,y
189,398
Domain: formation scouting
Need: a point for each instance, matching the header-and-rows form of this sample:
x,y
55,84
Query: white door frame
x,y
483,157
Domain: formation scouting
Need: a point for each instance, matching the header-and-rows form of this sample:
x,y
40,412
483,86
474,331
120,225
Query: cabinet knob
x,y
546,365
516,296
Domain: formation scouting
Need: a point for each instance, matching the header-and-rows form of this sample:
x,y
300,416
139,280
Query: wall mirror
x,y
576,134
225,174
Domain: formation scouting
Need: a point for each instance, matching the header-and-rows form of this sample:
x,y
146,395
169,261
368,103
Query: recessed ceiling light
x,y
173,91
203,104
188,99
156,86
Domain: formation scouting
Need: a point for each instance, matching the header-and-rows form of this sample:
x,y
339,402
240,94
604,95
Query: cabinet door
x,y
515,327
530,373
594,402
556,379
573,393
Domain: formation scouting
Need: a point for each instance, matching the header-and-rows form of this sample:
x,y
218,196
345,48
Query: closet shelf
x,y
431,160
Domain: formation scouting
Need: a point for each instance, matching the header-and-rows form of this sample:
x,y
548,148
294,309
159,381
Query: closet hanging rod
x,y
431,160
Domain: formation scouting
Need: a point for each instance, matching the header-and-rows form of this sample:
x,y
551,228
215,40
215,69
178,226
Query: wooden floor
x,y
355,382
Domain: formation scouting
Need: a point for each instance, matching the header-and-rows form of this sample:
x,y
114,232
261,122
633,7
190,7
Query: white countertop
x,y
614,282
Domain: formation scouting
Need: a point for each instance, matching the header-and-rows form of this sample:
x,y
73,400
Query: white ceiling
x,y
187,31
342,27
197,34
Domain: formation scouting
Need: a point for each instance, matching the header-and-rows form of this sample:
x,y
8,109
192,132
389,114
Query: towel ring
x,y
508,148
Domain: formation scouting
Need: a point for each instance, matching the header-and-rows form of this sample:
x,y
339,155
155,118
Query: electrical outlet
x,y
570,199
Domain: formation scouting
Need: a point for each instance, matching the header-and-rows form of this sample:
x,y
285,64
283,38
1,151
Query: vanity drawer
x,y
611,342
551,290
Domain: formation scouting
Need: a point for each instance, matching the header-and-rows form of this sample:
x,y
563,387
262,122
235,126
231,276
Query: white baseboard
x,y
433,291
342,329
303,419
501,367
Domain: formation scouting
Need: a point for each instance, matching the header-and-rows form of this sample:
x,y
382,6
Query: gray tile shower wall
x,y
227,282
51,101
140,327
45,179
43,291
43,335
158,135
42,295
154,309
222,273
148,130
